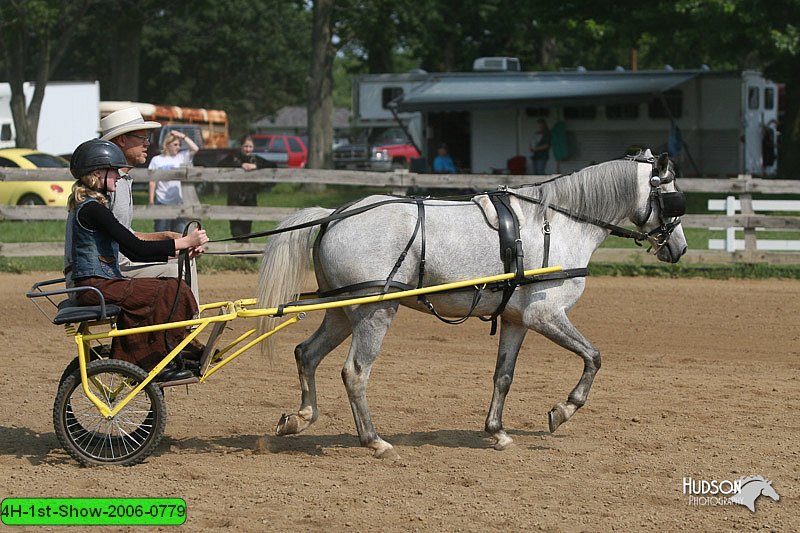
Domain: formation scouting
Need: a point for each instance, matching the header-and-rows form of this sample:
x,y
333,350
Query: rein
x,y
337,215
617,231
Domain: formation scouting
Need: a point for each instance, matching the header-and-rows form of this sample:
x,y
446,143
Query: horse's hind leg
x,y
335,328
511,337
560,330
370,324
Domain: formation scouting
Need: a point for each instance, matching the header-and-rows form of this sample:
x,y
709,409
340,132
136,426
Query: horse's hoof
x,y
387,453
287,425
555,418
502,441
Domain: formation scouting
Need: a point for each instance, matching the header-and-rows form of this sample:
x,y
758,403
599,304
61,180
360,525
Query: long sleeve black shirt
x,y
97,217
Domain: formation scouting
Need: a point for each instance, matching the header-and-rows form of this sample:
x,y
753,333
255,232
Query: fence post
x,y
746,200
730,232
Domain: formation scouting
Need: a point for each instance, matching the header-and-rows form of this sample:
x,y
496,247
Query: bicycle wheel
x,y
96,352
125,439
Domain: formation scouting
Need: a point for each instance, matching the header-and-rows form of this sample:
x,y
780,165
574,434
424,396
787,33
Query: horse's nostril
x,y
685,249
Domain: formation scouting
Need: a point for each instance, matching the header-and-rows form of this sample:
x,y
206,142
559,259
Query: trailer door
x,y
760,125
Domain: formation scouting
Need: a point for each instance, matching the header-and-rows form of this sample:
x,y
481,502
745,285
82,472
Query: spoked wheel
x,y
125,439
96,352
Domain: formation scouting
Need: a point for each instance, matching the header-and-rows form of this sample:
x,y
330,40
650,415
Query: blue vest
x,y
88,253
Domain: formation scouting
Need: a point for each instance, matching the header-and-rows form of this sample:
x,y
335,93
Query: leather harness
x,y
511,254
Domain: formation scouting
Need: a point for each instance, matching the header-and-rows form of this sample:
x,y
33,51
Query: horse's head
x,y
660,207
768,491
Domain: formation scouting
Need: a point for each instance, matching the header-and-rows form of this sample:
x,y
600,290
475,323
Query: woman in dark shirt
x,y
94,238
243,193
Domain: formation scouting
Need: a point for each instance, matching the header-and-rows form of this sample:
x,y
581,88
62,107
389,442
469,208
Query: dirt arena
x,y
700,379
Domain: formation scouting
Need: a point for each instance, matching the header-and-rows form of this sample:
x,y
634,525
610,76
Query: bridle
x,y
671,205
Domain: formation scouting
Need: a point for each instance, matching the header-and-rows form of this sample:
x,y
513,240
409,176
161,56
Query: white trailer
x,y
713,123
70,114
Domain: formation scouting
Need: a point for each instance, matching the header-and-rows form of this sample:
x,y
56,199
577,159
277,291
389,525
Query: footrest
x,y
70,312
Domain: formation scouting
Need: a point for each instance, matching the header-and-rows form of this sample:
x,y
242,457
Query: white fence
x,y
731,206
401,182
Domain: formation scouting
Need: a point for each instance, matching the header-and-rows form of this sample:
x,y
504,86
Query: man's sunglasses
x,y
143,138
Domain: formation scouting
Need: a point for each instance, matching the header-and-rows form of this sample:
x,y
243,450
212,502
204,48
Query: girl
x,y
94,238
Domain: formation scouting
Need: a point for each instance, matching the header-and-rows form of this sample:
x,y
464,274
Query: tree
x,y
248,57
320,86
34,36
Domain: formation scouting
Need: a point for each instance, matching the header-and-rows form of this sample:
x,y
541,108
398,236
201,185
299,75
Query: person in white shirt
x,y
169,192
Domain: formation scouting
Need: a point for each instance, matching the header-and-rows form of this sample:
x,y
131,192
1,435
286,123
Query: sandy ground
x,y
700,379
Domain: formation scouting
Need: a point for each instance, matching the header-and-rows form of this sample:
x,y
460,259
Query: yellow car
x,y
33,192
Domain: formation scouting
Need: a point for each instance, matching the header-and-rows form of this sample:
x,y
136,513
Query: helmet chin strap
x,y
105,182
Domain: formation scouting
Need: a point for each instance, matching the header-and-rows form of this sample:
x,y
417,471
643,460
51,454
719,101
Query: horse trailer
x,y
712,123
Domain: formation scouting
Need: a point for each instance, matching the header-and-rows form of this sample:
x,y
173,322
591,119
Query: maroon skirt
x,y
144,302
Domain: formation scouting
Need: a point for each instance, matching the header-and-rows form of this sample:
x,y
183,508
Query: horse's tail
x,y
286,259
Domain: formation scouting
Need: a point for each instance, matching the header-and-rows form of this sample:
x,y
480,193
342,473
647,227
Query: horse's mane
x,y
606,191
748,479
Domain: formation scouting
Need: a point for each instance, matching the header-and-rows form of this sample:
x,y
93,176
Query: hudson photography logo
x,y
743,491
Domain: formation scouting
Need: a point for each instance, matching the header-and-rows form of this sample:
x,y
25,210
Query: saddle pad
x,y
490,213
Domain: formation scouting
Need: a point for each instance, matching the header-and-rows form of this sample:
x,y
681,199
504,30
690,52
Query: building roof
x,y
462,91
296,117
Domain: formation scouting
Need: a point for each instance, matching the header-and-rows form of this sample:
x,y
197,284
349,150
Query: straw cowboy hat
x,y
124,121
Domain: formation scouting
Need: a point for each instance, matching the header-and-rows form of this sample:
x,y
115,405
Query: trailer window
x,y
769,98
622,111
390,93
582,112
673,109
752,98
537,112
5,132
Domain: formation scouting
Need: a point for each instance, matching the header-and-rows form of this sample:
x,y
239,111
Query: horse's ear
x,y
662,163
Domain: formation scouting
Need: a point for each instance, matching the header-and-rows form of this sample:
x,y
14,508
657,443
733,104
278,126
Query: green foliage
x,y
248,57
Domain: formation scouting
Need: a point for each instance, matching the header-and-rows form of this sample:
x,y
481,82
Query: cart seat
x,y
69,312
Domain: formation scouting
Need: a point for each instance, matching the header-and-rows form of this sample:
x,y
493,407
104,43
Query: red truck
x,y
379,149
291,145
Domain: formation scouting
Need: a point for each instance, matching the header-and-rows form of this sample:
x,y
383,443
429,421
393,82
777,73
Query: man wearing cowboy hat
x,y
127,129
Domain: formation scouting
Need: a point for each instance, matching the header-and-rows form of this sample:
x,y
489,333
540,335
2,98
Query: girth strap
x,y
420,224
510,252
508,231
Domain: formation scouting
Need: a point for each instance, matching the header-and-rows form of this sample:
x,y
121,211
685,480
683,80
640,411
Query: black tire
x,y
126,439
31,199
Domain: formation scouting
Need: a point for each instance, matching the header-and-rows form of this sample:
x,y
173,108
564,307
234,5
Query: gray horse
x,y
460,245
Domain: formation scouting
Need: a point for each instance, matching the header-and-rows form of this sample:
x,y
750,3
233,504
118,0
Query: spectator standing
x,y
129,131
443,163
169,192
243,193
540,147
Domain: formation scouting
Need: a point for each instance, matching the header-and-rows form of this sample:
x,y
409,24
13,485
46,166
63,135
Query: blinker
x,y
655,180
673,204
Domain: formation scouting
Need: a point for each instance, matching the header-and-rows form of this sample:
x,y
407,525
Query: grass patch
x,y
732,271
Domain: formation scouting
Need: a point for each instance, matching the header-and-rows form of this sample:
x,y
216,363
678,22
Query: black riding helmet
x,y
95,154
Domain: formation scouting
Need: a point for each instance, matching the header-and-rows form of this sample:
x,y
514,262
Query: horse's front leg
x,y
370,324
560,330
333,330
511,337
